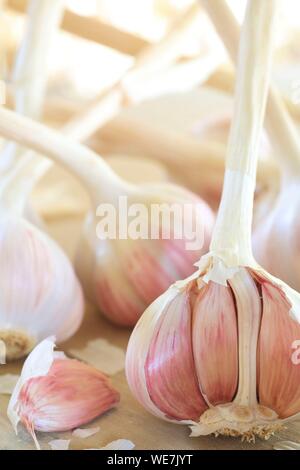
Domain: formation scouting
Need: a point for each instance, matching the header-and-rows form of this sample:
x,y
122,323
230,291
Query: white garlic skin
x,y
276,239
40,293
122,277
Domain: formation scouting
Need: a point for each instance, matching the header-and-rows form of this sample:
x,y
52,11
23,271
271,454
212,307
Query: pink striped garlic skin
x,y
40,293
127,275
198,354
70,395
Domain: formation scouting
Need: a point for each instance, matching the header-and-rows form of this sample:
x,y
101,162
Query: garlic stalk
x,y
40,294
279,231
149,61
55,393
122,275
217,350
30,73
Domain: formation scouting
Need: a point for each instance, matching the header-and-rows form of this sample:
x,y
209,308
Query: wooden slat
x,y
94,30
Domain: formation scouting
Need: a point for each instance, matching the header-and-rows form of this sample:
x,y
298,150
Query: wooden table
x,y
129,420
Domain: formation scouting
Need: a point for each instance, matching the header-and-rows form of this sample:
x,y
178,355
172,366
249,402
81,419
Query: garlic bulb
x,y
55,393
219,350
116,271
278,231
124,276
40,294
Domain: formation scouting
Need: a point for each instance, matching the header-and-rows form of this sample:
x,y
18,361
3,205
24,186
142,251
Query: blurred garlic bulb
x,y
122,275
276,240
55,393
276,237
40,293
219,351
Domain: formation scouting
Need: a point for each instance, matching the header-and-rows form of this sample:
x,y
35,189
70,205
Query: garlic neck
x,y
232,233
232,236
102,184
16,185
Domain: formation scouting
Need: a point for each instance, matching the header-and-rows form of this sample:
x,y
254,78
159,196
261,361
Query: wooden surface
x,y
128,420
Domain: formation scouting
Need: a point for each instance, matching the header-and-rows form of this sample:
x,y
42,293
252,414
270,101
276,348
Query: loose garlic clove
x,y
40,294
123,276
193,355
55,393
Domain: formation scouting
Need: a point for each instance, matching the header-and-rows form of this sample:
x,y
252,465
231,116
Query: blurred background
x,y
182,100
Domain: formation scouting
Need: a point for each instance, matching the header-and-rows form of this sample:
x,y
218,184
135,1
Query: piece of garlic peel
x,y
55,393
40,293
37,364
85,433
102,355
59,444
119,444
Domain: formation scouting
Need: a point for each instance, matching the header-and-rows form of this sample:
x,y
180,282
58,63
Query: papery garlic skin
x,y
55,393
214,355
123,276
40,293
276,238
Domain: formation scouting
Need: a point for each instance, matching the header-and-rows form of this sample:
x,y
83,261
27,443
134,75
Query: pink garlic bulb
x,y
40,293
220,351
55,393
124,276
276,240
223,357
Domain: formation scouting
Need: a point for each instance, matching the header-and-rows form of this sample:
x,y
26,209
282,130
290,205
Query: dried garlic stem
x,y
31,71
234,246
94,173
30,80
278,121
148,61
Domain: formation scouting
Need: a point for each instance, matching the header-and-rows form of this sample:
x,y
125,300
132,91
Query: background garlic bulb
x,y
40,294
217,351
124,276
105,187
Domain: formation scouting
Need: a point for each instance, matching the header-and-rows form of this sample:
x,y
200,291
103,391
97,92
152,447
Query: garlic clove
x,y
278,367
169,367
55,393
215,343
40,294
